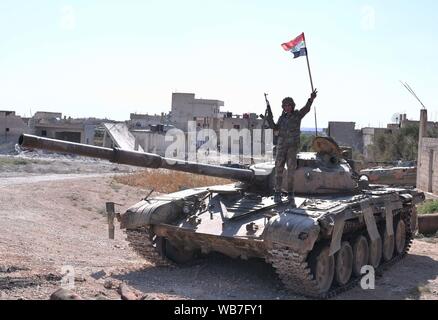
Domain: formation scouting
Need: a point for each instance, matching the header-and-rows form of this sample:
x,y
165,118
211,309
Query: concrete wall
x,y
368,139
345,134
11,127
427,162
428,168
89,130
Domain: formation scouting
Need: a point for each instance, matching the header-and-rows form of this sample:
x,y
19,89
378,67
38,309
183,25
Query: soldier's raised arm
x,y
306,108
271,122
268,114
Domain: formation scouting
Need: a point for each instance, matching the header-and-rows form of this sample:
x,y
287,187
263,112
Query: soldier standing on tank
x,y
288,131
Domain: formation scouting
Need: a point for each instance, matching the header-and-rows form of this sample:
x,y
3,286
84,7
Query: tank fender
x,y
338,230
409,202
414,220
160,209
333,223
390,207
295,230
370,221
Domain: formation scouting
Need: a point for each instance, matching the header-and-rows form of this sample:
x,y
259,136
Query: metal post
x,y
311,82
111,215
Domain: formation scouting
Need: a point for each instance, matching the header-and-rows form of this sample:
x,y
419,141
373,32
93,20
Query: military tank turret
x,y
318,249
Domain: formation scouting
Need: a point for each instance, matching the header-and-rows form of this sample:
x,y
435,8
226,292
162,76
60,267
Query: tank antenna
x,y
411,91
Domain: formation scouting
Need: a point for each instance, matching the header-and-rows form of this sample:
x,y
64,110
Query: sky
x,y
108,58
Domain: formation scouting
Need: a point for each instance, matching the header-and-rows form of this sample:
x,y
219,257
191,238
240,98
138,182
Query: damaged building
x,y
11,127
53,125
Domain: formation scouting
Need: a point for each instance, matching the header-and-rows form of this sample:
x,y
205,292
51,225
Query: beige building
x,y
52,125
186,108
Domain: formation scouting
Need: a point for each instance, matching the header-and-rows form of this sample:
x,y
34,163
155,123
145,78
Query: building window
x,y
236,126
7,129
44,133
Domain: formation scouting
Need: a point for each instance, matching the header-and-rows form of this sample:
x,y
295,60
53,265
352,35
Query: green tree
x,y
401,144
433,132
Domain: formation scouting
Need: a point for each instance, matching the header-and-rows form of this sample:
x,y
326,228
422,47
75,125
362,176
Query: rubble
x,y
109,284
127,293
64,294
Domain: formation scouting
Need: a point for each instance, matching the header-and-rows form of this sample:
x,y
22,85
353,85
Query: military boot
x,y
277,197
291,199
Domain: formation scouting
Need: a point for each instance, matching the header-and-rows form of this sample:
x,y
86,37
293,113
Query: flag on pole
x,y
297,46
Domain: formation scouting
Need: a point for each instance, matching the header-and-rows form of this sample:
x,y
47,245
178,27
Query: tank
x,y
340,223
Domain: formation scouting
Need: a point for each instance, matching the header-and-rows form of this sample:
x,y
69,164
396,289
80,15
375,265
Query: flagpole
x,y
311,81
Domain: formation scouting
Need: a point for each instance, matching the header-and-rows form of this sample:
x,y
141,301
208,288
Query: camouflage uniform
x,y
288,127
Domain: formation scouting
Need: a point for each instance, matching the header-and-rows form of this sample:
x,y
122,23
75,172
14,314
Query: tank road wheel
x,y
388,246
400,236
344,264
177,254
375,252
360,254
323,268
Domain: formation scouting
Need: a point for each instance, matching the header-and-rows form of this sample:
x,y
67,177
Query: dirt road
x,y
59,223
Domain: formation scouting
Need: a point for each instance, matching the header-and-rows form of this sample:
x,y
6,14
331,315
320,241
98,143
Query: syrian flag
x,y
297,46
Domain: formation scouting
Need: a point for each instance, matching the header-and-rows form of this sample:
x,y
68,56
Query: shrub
x,y
167,181
428,207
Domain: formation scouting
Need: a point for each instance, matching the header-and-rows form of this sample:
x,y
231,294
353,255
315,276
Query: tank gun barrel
x,y
134,158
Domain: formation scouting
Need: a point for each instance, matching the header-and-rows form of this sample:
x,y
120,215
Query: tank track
x,y
144,243
294,270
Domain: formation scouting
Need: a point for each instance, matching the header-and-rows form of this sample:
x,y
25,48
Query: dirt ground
x,y
52,221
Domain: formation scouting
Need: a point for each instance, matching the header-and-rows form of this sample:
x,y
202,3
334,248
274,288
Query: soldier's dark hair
x,y
288,101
